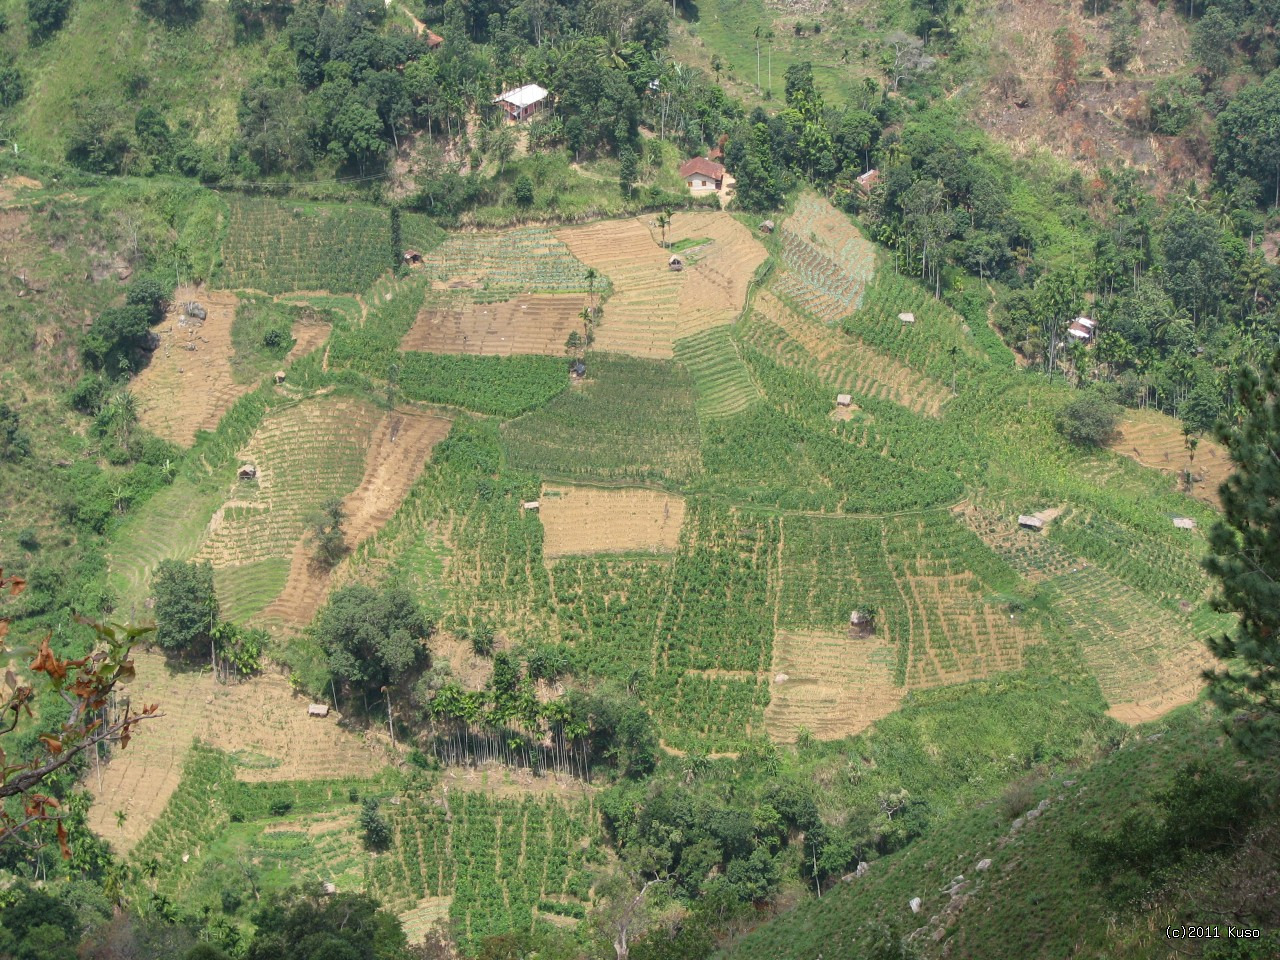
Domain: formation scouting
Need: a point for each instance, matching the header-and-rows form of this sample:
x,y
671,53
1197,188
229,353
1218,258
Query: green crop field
x,y
631,420
503,863
721,378
277,246
215,826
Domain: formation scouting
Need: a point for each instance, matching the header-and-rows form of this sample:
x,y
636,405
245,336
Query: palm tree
x,y
591,276
757,35
663,222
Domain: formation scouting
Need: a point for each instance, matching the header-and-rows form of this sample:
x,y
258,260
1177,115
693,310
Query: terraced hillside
x,y
651,307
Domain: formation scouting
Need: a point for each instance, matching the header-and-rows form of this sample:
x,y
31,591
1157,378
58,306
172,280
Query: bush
x,y
47,16
524,191
1087,421
149,292
12,85
280,806
186,605
377,832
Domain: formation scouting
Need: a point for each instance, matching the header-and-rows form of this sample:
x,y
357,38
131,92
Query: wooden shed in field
x,y
1184,523
533,505
675,264
318,710
1030,522
766,226
247,471
907,317
844,400
279,377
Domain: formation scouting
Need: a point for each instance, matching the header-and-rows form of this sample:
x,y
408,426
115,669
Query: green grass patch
x,y
248,589
261,336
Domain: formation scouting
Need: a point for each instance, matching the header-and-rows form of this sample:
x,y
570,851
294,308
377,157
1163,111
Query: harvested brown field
x,y
829,684
530,323
652,307
401,445
1155,440
844,362
188,384
578,520
261,716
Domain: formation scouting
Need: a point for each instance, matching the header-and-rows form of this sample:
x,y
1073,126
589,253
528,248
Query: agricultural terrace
x,y
305,453
1156,440
841,361
191,379
500,864
261,719
831,684
267,334
224,839
700,625
651,307
279,246
632,420
528,323
522,259
828,262
501,385
401,444
1147,657
795,461
720,376
582,520
935,590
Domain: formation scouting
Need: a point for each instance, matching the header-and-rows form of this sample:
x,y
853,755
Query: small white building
x,y
1028,522
318,710
1184,523
1082,328
531,505
907,317
702,174
844,400
522,102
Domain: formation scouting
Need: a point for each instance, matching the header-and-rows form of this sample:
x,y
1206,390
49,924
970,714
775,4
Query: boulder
x,y
916,904
194,309
983,865
863,869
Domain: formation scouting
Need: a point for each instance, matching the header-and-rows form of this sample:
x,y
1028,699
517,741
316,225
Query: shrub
x,y
377,832
280,806
1087,421
47,16
524,191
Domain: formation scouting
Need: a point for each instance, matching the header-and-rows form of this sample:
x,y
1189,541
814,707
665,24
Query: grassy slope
x,y
108,51
1035,900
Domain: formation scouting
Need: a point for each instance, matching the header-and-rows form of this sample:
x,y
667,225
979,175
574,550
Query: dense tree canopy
x,y
372,637
186,605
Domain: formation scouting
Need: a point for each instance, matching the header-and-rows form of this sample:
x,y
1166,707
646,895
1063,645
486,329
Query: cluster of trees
x,y
71,921
825,145
189,623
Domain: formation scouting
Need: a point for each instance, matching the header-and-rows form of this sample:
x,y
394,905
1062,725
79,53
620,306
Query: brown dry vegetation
x,y
578,520
261,715
1155,440
188,384
1106,122
651,307
829,684
531,323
